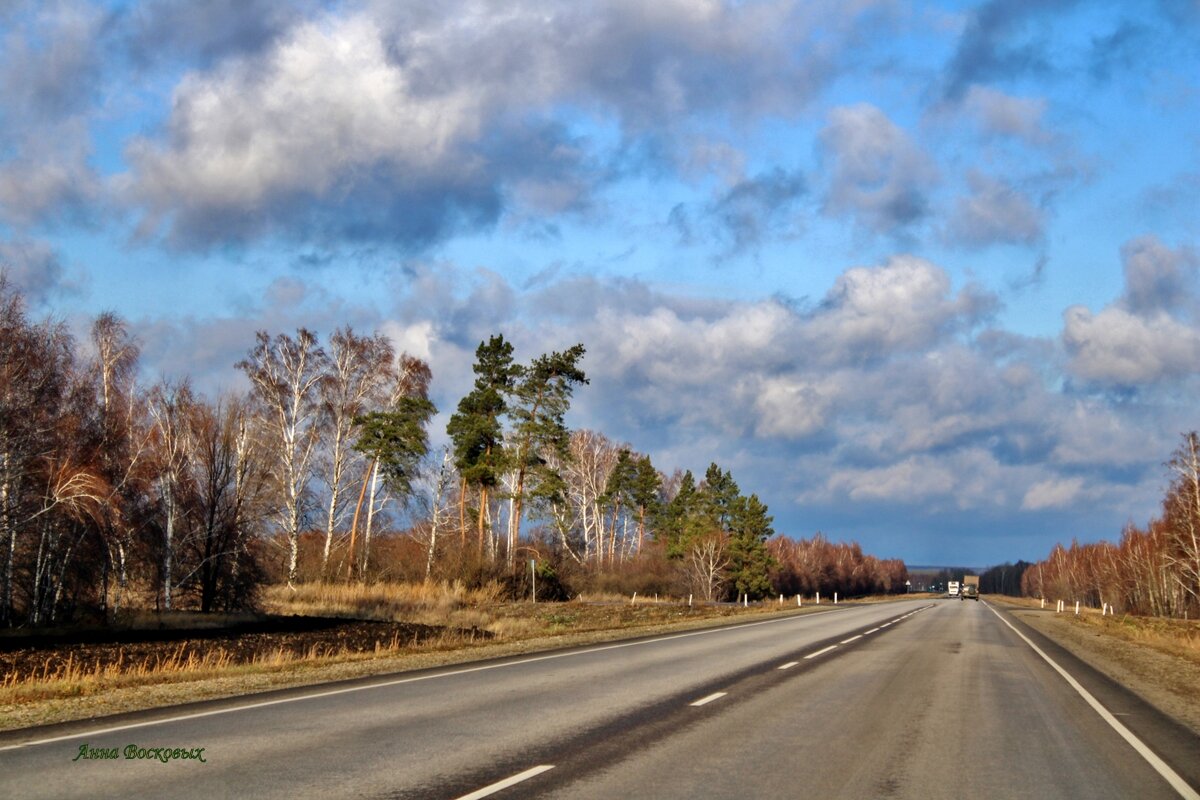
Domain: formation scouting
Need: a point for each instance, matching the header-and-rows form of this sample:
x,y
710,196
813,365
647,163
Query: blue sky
x,y
922,275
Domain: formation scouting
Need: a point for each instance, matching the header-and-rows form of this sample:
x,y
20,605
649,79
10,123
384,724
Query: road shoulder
x,y
1169,683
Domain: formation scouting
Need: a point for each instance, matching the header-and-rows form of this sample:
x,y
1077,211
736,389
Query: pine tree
x,y
397,440
475,428
541,398
750,562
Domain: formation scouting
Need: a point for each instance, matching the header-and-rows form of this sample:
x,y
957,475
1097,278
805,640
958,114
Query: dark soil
x,y
241,643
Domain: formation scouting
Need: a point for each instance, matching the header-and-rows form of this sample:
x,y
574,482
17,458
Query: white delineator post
x,y
1077,608
818,598
634,601
835,598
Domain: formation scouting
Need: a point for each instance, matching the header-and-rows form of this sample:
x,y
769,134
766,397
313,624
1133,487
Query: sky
x,y
921,275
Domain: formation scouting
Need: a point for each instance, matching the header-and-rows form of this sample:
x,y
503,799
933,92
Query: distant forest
x,y
1153,570
116,495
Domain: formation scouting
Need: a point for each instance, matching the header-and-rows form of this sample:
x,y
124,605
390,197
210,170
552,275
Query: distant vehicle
x,y
970,588
952,588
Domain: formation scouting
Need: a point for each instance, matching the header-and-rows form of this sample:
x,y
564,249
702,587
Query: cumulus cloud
x,y
322,125
904,305
1117,348
995,212
1149,336
880,178
408,123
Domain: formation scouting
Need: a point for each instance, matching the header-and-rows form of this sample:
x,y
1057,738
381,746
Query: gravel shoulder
x,y
1170,682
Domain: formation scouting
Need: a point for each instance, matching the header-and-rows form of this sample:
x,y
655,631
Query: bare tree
x,y
435,507
360,370
230,474
171,407
122,452
708,563
285,374
1183,516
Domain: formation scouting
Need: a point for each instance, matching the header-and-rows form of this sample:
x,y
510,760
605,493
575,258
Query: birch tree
x,y
171,408
123,449
1183,516
357,382
285,373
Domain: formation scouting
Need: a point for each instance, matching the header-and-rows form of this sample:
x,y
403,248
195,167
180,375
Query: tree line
x,y
1151,571
116,495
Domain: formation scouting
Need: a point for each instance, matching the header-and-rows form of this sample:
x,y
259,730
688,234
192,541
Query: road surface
x,y
921,699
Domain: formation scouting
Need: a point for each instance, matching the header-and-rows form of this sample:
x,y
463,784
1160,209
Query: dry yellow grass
x,y
441,604
78,679
455,608
1173,636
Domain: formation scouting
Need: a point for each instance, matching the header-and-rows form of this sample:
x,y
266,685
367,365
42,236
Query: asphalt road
x,y
929,699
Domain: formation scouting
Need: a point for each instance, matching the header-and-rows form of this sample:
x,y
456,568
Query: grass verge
x,y
464,625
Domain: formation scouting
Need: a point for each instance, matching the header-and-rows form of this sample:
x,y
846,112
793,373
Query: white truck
x,y
952,588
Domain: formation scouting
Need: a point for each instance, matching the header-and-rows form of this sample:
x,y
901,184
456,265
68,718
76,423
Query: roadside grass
x,y
1177,637
81,678
440,604
469,623
463,618
1174,636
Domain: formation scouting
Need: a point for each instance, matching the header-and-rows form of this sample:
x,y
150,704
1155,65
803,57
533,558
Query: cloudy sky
x,y
922,275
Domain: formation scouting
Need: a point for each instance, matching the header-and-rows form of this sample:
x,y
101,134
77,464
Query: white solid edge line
x,y
399,681
821,652
851,639
706,700
1161,767
507,782
789,664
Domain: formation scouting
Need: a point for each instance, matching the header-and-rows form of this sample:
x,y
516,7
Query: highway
x,y
912,699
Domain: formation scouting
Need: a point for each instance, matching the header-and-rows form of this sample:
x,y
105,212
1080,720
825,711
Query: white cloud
x,y
903,305
407,122
1052,493
1119,348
